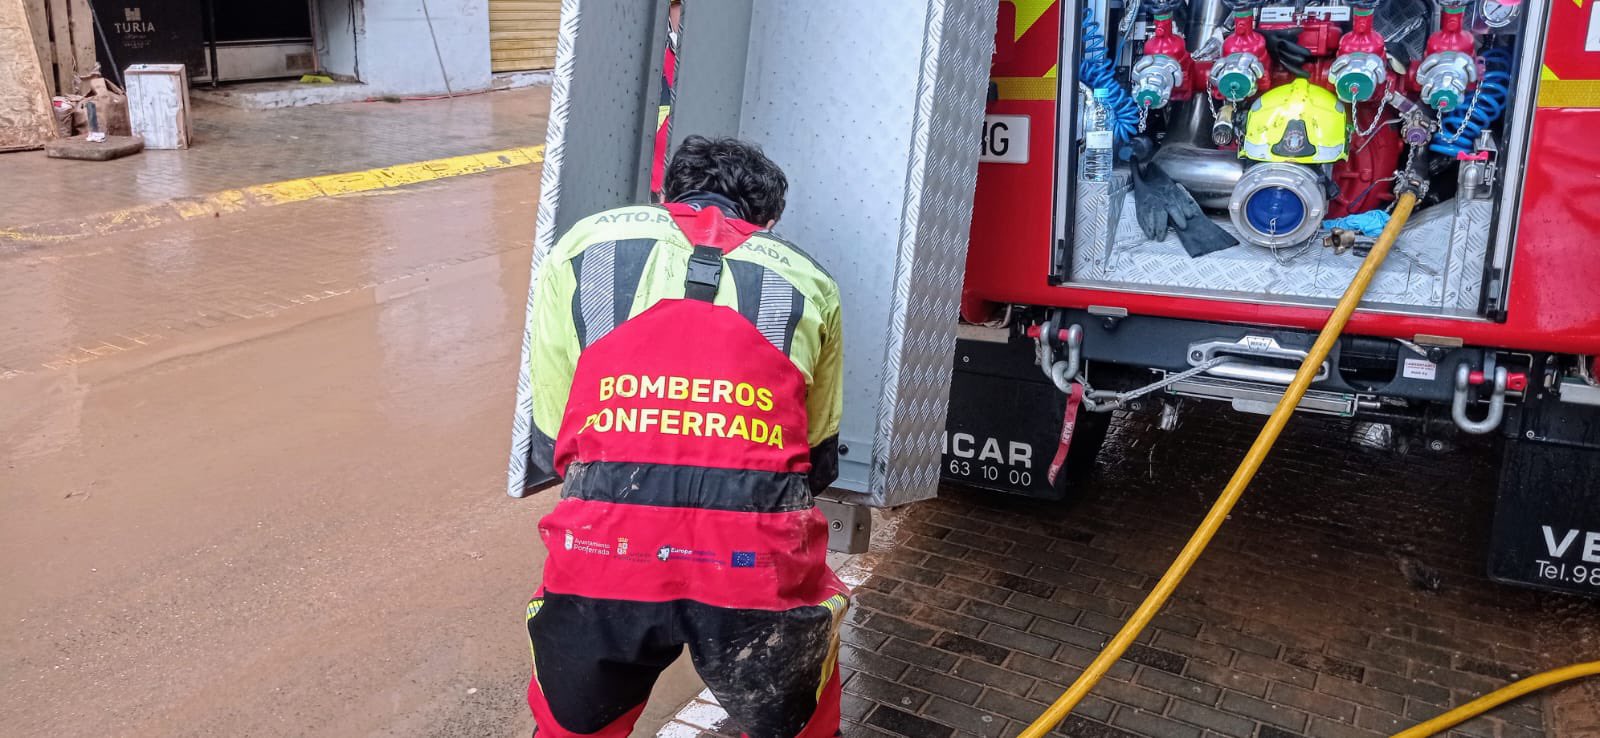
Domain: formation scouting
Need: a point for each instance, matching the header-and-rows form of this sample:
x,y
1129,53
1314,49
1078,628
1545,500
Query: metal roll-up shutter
x,y
522,34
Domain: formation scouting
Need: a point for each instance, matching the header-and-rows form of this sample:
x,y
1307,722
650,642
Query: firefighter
x,y
686,366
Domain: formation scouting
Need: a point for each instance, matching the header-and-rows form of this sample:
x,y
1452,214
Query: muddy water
x,y
285,524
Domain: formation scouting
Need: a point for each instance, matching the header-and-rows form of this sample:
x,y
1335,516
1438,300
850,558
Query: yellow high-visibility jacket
x,y
613,266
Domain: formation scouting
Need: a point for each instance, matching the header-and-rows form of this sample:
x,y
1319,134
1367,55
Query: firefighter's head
x,y
731,168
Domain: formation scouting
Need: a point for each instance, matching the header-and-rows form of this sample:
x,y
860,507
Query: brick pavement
x,y
1303,620
1311,615
236,148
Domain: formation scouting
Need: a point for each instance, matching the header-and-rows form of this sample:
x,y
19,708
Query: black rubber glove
x,y
1149,204
1283,45
1196,232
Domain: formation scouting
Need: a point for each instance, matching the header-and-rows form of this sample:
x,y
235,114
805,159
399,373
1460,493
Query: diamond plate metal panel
x,y
1469,248
1440,247
1096,222
936,221
875,124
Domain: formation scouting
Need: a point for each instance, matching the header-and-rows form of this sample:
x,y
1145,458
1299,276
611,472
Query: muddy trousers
x,y
595,661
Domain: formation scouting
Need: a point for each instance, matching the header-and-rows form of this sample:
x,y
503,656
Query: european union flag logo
x,y
744,559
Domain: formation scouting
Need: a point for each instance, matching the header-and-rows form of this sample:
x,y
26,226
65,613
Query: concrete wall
x,y
338,29
396,55
385,44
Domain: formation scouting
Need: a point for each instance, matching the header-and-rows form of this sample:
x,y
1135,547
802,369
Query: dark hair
x,y
731,168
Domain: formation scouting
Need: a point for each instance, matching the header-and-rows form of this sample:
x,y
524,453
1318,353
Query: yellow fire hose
x,y
1499,697
1236,486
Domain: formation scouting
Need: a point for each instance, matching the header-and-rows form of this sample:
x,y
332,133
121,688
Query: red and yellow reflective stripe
x,y
1569,76
1025,65
1028,13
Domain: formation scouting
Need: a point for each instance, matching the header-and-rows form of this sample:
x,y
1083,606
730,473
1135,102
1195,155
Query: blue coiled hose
x,y
1097,72
1489,101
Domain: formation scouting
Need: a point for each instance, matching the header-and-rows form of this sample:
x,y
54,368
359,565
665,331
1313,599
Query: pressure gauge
x,y
1501,13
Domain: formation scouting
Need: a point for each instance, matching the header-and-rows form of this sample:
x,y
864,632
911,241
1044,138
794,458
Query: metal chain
x,y
1422,188
1277,254
1377,121
1107,399
1466,120
1144,116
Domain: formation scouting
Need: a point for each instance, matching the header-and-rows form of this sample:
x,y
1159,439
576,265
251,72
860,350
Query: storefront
x,y
395,47
261,39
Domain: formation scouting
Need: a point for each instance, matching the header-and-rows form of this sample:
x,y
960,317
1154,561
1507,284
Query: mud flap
x,y
1547,518
1004,430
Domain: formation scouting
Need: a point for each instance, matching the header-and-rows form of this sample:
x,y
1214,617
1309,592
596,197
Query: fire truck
x,y
1041,213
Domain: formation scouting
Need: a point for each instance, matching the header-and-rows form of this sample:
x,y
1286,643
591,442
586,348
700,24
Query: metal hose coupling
x,y
1411,178
1445,77
1154,78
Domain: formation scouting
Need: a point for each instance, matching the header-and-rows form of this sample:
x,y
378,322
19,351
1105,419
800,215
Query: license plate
x,y
1005,139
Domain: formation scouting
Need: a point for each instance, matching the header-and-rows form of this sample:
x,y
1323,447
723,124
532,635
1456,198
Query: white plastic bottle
x,y
1097,153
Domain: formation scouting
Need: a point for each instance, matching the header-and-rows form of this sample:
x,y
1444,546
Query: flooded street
x,y
253,464
292,522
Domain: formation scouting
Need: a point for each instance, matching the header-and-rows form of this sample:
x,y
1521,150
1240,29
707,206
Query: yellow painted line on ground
x,y
140,217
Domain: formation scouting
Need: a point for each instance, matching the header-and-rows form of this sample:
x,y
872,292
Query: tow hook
x,y
1497,399
1060,372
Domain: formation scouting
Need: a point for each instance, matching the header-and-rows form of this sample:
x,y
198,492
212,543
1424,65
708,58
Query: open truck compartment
x,y
1279,119
872,120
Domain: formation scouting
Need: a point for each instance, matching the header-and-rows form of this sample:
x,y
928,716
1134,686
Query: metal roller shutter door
x,y
522,34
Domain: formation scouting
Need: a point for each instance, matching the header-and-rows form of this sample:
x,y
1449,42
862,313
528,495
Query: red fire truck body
x,y
1554,301
1537,322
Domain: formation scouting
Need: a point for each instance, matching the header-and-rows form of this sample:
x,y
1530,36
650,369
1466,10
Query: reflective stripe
x,y
608,275
771,303
534,606
592,301
1262,151
836,605
776,317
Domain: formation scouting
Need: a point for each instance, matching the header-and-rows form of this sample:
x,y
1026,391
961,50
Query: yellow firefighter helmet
x,y
1297,122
